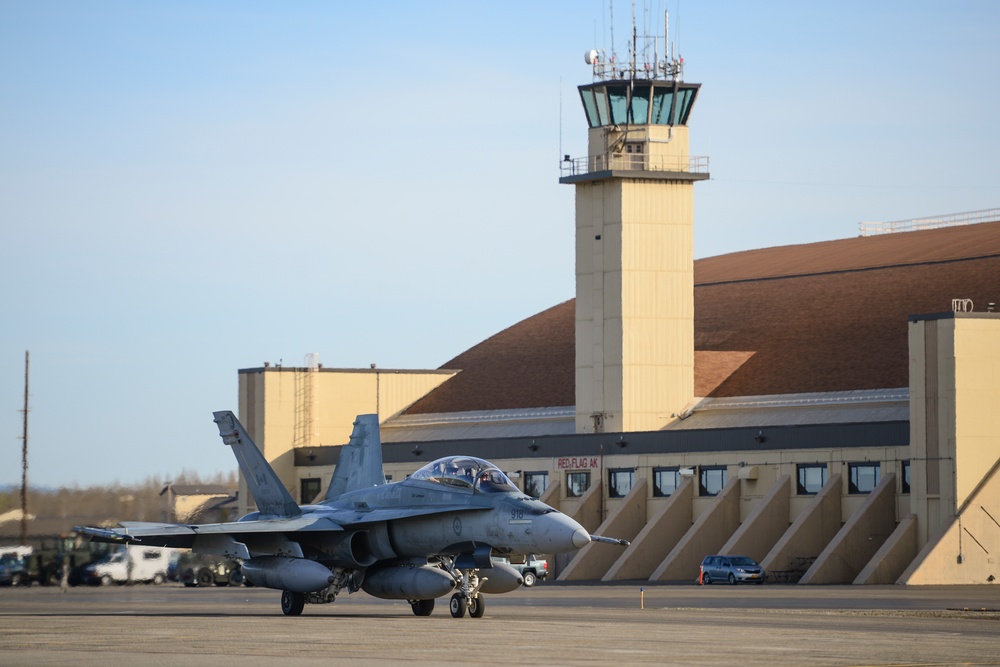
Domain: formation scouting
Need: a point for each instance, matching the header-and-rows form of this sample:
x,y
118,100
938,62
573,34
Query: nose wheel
x,y
467,597
458,605
474,604
477,606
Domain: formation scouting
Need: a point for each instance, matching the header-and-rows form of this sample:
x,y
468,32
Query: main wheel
x,y
706,579
477,606
732,578
292,604
458,605
423,607
529,579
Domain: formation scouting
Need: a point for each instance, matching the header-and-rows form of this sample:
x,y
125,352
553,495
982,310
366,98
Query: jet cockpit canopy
x,y
466,472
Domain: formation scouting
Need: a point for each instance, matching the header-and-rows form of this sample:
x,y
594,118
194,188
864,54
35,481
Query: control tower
x,y
634,244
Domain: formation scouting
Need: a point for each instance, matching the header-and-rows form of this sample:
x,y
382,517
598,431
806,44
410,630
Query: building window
x,y
864,477
812,478
711,480
665,481
905,487
308,490
535,483
577,484
620,482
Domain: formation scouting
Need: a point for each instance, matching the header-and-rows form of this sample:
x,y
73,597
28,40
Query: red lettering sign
x,y
578,462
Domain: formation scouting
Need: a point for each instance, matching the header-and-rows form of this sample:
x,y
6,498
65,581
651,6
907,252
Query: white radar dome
x,y
590,57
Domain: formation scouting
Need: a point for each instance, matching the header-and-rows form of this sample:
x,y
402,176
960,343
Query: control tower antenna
x,y
668,51
634,42
611,16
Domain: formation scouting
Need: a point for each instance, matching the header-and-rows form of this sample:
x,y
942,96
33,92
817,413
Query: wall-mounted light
x,y
621,442
533,447
760,437
417,451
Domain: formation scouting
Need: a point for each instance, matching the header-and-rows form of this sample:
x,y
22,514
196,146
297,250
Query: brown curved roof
x,y
829,316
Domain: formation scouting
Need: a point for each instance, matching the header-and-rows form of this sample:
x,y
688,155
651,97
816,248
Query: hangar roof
x,y
818,317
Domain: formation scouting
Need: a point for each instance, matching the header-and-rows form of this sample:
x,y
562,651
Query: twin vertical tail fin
x,y
270,495
360,464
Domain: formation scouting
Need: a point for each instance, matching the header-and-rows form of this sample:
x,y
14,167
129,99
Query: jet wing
x,y
181,536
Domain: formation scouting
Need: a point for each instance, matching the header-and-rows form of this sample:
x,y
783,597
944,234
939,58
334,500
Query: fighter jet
x,y
418,539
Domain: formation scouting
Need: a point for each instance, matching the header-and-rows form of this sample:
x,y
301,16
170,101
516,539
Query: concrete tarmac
x,y
549,624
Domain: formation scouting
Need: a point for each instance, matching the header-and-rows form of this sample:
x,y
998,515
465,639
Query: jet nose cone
x,y
556,533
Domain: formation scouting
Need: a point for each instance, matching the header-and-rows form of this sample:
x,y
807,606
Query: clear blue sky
x,y
191,188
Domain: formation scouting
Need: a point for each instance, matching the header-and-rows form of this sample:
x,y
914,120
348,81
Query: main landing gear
x,y
292,604
422,607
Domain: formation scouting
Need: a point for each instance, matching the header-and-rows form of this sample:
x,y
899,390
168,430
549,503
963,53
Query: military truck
x,y
45,563
205,570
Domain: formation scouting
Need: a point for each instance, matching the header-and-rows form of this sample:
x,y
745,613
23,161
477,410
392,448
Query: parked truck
x,y
128,564
206,570
45,564
530,567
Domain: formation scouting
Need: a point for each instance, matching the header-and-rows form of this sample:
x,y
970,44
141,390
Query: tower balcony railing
x,y
633,162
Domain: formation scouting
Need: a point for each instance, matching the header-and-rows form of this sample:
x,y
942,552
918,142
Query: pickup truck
x,y
531,569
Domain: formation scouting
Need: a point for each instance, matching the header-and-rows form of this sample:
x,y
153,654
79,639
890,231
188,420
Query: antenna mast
x,y
634,38
24,459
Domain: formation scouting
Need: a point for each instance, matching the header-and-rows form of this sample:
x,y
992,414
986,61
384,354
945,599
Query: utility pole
x,y
24,458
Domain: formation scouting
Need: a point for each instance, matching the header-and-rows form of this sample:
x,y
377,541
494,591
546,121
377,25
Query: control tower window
x,y
661,106
671,110
618,101
682,106
638,111
637,103
590,107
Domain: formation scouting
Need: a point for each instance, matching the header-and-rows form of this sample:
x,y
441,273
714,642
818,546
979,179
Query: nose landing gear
x,y
467,598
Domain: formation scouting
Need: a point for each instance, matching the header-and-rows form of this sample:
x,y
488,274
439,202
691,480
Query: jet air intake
x,y
298,575
353,550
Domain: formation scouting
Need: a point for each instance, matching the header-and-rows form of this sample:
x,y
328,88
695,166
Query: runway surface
x,y
549,624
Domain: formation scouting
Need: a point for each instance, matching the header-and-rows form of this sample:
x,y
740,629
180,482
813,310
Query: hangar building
x,y
830,409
